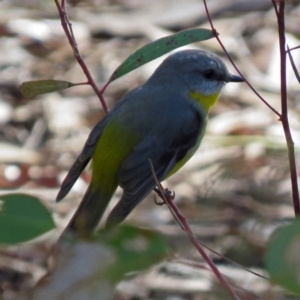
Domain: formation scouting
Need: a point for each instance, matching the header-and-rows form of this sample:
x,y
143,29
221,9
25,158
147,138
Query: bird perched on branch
x,y
163,120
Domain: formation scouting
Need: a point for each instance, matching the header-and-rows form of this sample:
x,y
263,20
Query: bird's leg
x,y
163,194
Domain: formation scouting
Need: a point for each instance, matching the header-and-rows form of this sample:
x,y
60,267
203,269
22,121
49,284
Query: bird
x,y
161,121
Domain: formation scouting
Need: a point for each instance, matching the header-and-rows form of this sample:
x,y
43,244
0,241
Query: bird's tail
x,y
88,214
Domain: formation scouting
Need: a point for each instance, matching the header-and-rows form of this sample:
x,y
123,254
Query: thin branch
x,y
168,198
232,62
197,264
294,48
275,8
283,117
233,262
284,108
293,63
67,26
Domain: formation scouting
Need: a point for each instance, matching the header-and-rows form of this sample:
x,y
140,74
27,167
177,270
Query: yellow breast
x,y
205,101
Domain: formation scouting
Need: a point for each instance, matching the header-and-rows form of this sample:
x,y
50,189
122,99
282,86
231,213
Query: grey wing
x,y
136,177
81,161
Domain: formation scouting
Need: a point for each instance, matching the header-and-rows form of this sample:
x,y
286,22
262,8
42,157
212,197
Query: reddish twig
x,y
275,8
283,116
67,26
284,108
232,62
168,198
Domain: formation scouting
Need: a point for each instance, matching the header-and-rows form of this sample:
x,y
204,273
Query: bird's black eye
x,y
209,74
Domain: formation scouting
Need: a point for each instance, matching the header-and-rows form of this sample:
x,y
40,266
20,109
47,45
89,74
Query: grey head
x,y
198,70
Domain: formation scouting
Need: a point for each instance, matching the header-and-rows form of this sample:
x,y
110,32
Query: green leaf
x,y
22,218
282,257
38,87
134,248
160,47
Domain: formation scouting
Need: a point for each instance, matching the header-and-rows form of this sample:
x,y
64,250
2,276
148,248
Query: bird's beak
x,y
234,78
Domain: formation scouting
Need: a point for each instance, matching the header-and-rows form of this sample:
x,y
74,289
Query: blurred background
x,y
234,192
